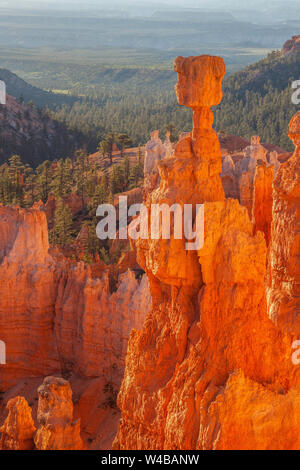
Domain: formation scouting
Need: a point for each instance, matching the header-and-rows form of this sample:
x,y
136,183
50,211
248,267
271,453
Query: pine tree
x,y
43,177
62,179
80,173
125,141
106,146
125,169
116,179
104,255
136,174
91,242
6,188
173,131
99,196
62,231
91,180
139,156
16,172
30,185
103,148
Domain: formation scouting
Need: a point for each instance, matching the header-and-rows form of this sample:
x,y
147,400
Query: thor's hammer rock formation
x,y
209,369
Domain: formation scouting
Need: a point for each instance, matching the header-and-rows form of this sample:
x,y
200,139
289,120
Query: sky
x,y
181,3
207,4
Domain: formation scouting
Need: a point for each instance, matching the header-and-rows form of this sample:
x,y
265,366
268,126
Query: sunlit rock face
x,y
273,160
17,432
199,81
57,430
254,156
28,285
190,175
210,369
229,178
168,145
284,269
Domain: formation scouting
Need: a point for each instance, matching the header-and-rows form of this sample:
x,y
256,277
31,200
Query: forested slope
x,y
258,100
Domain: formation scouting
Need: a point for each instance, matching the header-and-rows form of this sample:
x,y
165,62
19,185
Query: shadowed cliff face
x,y
211,369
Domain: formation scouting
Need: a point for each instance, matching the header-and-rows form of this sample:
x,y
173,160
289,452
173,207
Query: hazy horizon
x,y
217,4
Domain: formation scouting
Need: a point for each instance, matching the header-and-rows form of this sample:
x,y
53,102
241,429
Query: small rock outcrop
x,y
273,160
255,152
57,430
168,145
154,152
291,45
18,430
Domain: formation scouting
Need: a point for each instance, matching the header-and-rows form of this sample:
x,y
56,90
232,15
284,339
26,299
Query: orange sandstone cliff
x,y
61,318
284,261
212,366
